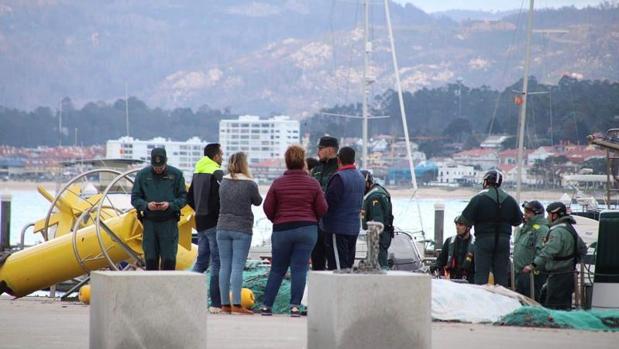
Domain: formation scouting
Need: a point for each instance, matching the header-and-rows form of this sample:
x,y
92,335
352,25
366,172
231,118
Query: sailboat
x,y
404,247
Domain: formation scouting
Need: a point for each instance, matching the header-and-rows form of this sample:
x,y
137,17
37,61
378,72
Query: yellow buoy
x,y
247,298
84,295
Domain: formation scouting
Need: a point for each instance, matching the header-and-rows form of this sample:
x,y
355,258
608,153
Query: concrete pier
x,y
154,309
64,325
367,311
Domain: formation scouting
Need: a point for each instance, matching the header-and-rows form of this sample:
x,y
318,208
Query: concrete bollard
x,y
5,222
439,223
148,309
368,311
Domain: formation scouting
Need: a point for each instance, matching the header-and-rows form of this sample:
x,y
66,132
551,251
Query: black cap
x,y
533,206
367,175
557,207
158,157
460,220
328,141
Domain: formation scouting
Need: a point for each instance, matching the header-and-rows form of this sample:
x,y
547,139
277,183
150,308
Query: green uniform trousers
x,y
160,241
559,289
384,241
523,284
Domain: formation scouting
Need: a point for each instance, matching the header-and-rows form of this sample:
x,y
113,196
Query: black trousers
x,y
346,249
319,253
559,289
491,257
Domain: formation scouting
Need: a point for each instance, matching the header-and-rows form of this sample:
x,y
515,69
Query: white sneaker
x,y
214,310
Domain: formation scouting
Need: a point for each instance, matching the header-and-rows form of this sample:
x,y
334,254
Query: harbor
x,y
64,325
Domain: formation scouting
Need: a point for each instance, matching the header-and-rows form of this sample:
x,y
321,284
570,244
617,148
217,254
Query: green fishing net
x,y
591,320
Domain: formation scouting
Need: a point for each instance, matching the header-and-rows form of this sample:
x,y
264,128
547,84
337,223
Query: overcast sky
x,y
493,5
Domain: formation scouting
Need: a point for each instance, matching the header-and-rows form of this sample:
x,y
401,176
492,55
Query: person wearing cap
x,y
327,166
557,258
528,241
341,222
377,207
203,197
158,195
457,258
492,212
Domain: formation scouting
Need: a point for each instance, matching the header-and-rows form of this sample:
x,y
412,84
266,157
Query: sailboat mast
x,y
366,58
409,152
126,110
523,110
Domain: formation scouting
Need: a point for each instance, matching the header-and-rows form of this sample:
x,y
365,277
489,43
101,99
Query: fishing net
x,y
255,278
591,320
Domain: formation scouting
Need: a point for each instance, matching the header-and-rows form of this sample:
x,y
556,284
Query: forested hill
x,y
288,56
572,109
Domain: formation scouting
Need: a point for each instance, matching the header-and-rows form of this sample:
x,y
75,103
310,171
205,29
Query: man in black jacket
x,y
203,197
327,154
492,213
456,260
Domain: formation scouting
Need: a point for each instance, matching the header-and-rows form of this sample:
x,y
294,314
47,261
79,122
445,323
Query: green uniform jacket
x,y
529,240
483,213
168,186
559,242
377,207
323,171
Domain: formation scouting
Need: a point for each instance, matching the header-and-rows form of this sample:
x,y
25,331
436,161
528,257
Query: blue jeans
x,y
204,252
207,241
292,248
233,250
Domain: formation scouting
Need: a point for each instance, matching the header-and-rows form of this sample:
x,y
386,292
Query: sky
x,y
493,5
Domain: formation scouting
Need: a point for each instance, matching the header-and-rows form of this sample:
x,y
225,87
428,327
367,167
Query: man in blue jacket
x,y
342,222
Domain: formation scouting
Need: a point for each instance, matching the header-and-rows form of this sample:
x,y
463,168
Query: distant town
x,y
265,140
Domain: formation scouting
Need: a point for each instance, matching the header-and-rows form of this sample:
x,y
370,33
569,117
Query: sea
x,y
412,215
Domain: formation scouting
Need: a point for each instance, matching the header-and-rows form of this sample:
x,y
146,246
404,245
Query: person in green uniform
x,y
528,241
327,165
377,207
557,258
456,260
158,195
492,213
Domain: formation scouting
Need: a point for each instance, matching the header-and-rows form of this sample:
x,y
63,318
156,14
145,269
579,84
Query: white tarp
x,y
453,301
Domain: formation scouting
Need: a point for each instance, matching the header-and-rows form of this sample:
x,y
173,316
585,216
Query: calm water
x,y
410,215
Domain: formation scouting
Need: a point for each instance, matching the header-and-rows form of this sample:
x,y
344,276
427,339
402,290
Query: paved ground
x,y
41,323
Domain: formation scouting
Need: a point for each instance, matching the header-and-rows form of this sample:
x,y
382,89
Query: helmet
x,y
494,177
460,220
557,207
533,206
367,175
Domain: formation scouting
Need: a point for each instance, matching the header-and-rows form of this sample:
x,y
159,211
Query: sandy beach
x,y
442,193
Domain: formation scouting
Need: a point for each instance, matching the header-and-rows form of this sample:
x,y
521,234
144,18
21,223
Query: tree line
x,y
452,114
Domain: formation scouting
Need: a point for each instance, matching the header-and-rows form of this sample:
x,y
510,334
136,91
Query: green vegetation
x,y
578,108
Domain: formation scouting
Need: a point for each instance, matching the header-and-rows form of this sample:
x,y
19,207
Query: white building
x,y
261,139
453,173
182,155
485,158
494,141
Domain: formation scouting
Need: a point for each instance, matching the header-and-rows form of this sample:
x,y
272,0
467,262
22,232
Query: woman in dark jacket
x,y
295,202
